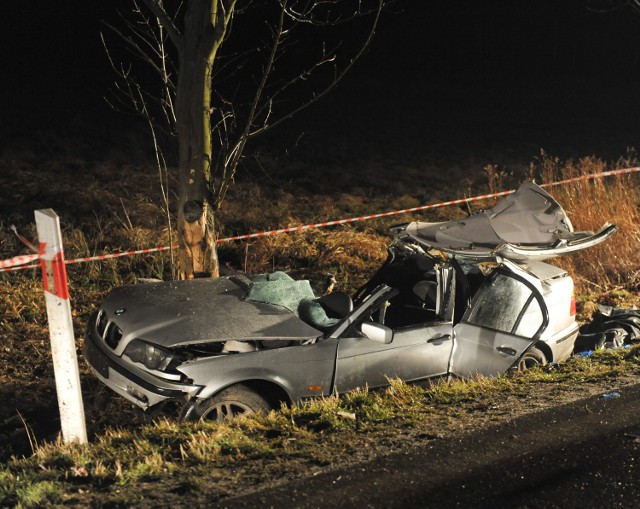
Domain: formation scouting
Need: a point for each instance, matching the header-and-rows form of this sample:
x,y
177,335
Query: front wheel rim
x,y
528,362
226,411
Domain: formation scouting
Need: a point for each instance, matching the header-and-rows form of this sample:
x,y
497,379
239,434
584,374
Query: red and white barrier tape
x,y
14,264
119,255
18,260
593,176
362,218
423,207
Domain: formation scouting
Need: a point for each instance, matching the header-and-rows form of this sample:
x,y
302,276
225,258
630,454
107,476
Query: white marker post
x,y
63,345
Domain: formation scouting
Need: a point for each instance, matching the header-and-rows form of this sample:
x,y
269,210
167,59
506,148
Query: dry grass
x,y
614,264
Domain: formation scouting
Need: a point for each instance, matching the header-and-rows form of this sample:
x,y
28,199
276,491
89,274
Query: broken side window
x,y
508,305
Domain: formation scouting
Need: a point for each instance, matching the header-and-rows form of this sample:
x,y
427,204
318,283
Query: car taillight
x,y
572,306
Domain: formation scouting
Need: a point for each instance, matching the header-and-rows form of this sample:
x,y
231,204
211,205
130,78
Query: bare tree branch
x,y
137,50
323,12
232,159
365,45
603,6
156,7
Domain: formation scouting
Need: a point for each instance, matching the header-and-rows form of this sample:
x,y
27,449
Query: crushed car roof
x,y
526,225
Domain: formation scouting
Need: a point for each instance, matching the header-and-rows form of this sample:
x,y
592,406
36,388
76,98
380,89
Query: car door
x,y
505,318
417,351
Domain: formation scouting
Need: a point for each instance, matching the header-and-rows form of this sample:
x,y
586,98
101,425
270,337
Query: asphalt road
x,y
585,454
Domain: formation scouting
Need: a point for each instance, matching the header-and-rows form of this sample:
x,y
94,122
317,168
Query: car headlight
x,y
152,356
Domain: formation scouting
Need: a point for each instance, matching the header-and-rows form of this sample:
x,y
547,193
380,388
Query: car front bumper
x,y
138,386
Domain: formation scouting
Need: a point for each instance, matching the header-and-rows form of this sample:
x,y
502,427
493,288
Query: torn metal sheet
x,y
526,225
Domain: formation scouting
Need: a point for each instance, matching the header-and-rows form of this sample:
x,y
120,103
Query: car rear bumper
x,y
562,345
139,387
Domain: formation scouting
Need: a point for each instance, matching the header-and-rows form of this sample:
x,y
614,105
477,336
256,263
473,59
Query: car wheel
x,y
532,357
231,403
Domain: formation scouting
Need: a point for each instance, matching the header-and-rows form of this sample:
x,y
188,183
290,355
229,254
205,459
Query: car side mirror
x,y
377,332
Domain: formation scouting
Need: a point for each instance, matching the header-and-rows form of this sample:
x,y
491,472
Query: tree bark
x,y
206,22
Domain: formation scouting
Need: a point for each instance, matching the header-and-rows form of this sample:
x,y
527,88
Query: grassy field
x,y
164,462
112,201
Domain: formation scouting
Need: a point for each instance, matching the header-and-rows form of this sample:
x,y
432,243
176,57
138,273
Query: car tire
x,y
531,358
230,403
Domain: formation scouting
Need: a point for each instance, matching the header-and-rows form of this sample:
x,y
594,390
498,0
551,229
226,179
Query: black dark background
x,y
537,74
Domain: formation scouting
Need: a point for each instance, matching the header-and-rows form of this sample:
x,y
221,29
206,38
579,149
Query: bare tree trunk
x,y
205,26
197,30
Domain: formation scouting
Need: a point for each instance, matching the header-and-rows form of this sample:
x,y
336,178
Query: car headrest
x,y
336,304
427,291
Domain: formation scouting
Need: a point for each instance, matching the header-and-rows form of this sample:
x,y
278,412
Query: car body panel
x,y
508,315
303,371
130,381
414,354
526,225
556,289
561,344
560,248
481,351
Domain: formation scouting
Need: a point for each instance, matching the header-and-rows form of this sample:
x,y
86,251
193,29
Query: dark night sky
x,y
545,67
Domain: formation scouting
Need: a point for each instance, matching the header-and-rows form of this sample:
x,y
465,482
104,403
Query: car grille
x,y
108,331
101,323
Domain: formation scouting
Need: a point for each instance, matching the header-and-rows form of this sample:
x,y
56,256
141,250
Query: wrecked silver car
x,y
459,298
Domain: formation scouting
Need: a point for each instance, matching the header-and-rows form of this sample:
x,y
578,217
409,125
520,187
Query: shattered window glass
x,y
531,320
500,304
280,289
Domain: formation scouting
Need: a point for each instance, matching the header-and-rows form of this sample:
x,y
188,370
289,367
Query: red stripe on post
x,y
54,273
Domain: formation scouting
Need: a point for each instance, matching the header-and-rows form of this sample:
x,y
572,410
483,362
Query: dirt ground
x,y
453,423
580,454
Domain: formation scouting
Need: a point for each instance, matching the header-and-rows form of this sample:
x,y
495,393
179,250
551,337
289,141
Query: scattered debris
x,y
610,327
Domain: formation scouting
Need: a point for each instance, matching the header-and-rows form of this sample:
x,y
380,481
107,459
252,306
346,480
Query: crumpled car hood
x,y
526,225
199,311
